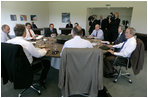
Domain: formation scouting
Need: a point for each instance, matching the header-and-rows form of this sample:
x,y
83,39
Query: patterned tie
x,y
122,46
30,33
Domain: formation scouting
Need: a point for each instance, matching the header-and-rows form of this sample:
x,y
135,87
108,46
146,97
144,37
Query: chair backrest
x,y
15,66
81,70
46,30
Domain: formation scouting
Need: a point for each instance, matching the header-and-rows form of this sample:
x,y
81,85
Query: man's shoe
x,y
42,84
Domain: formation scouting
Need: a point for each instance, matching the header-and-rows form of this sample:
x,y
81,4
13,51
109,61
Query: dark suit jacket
x,y
48,32
100,23
15,66
92,26
69,26
137,57
121,39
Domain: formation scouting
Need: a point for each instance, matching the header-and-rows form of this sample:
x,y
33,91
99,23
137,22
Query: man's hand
x,y
111,51
34,38
53,35
91,36
110,46
46,49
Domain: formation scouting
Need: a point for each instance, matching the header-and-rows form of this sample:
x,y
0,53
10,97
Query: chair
x,y
81,72
46,30
135,61
122,62
16,68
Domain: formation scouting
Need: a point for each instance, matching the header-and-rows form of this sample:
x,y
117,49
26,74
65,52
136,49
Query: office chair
x,y
121,62
16,68
137,54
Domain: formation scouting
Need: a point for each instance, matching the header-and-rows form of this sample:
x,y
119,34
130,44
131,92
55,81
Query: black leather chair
x,y
16,68
121,62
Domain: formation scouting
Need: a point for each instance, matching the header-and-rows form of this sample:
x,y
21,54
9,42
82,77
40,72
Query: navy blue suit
x,y
120,39
48,32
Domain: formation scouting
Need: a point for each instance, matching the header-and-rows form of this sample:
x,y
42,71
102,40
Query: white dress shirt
x,y
127,49
77,42
28,37
4,37
29,49
99,34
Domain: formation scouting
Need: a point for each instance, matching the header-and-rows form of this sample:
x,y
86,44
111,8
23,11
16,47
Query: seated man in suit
x,y
29,32
97,33
77,41
69,25
33,26
126,49
51,32
121,37
76,24
30,50
5,33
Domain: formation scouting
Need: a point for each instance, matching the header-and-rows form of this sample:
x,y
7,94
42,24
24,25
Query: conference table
x,y
54,48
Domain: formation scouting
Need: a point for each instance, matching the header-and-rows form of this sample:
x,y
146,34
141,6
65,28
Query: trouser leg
x,y
108,64
46,67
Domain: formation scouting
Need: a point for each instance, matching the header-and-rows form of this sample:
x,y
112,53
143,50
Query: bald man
x,y
5,33
97,33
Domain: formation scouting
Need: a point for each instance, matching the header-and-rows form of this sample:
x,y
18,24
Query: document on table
x,y
39,37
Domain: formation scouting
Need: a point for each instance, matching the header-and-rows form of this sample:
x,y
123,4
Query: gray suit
x,y
81,71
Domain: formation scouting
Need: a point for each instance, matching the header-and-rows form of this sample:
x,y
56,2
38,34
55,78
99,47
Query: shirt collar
x,y
4,33
131,38
77,37
120,33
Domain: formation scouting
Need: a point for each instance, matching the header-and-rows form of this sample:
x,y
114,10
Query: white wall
x,y
24,8
50,12
79,12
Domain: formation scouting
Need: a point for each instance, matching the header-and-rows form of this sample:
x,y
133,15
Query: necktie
x,y
8,36
122,46
96,33
30,33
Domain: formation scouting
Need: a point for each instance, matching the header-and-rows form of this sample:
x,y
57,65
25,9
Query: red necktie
x,y
30,33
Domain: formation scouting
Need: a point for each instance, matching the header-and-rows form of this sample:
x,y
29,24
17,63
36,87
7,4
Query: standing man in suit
x,y
114,22
51,32
69,25
100,21
126,49
5,33
33,26
92,24
121,36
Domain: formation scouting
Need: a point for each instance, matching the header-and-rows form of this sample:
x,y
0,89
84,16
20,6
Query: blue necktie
x,y
122,46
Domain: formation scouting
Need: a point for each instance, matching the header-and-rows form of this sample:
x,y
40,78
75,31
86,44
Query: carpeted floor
x,y
121,89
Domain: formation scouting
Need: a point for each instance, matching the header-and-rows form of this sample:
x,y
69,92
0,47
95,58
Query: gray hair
x,y
132,30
